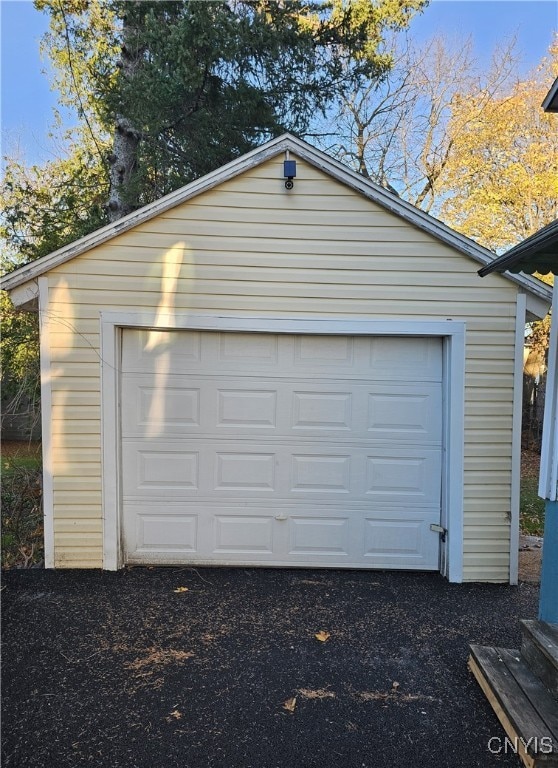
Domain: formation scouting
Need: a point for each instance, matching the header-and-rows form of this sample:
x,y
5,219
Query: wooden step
x,y
539,648
524,706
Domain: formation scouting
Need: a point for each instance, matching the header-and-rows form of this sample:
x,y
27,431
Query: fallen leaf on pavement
x,y
290,704
318,693
322,636
181,589
176,714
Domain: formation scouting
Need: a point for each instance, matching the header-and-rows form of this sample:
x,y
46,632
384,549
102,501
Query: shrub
x,y
22,515
531,520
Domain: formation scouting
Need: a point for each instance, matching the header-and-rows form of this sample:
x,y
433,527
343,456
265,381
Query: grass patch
x,y
531,508
12,463
22,509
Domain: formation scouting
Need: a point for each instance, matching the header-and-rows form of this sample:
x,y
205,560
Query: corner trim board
x,y
46,416
548,476
520,319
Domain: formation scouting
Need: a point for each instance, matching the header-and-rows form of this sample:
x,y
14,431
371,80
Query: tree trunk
x,y
124,158
123,165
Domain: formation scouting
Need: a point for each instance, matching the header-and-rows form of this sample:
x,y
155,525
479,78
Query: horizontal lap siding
x,y
250,247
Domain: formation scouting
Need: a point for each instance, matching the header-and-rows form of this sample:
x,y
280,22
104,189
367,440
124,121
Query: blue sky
x,y
27,100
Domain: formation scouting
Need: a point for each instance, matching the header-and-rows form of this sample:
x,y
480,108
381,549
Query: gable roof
x,y
284,143
538,253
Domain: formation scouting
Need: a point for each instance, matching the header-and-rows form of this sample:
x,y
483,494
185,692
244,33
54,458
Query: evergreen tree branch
x,y
81,109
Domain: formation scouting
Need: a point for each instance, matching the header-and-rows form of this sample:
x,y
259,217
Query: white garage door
x,y
271,449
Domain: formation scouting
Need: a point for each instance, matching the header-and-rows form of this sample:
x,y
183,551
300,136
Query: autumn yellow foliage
x,y
501,181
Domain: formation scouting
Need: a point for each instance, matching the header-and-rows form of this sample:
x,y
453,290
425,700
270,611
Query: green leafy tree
x,y
186,86
46,207
19,360
165,92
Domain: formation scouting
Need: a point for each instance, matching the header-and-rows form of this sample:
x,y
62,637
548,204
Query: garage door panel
x,y
161,470
320,473
243,471
166,406
155,351
339,353
243,349
246,408
328,536
322,410
406,414
154,531
390,359
199,531
335,537
209,407
272,449
246,469
402,539
151,409
405,358
158,470
404,476
243,534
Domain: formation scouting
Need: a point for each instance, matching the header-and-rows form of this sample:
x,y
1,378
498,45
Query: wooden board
x,y
539,646
514,709
543,702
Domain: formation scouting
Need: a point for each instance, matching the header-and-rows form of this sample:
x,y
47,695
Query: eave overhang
x,y
550,103
538,253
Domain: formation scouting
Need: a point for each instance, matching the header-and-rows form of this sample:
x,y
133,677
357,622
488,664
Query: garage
x,y
244,373
281,449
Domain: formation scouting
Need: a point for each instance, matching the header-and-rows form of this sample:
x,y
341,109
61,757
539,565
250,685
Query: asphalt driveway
x,y
204,668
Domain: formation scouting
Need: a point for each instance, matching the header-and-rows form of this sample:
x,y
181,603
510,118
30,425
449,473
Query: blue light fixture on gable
x,y
289,171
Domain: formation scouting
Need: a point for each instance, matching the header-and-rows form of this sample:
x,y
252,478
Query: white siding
x,y
249,247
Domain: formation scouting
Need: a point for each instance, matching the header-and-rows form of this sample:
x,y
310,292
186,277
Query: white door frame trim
x,y
451,331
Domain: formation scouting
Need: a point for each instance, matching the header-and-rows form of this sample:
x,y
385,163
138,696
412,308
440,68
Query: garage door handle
x,y
439,529
281,516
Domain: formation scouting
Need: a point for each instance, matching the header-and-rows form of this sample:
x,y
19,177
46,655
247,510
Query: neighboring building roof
x,y
267,151
538,253
550,103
